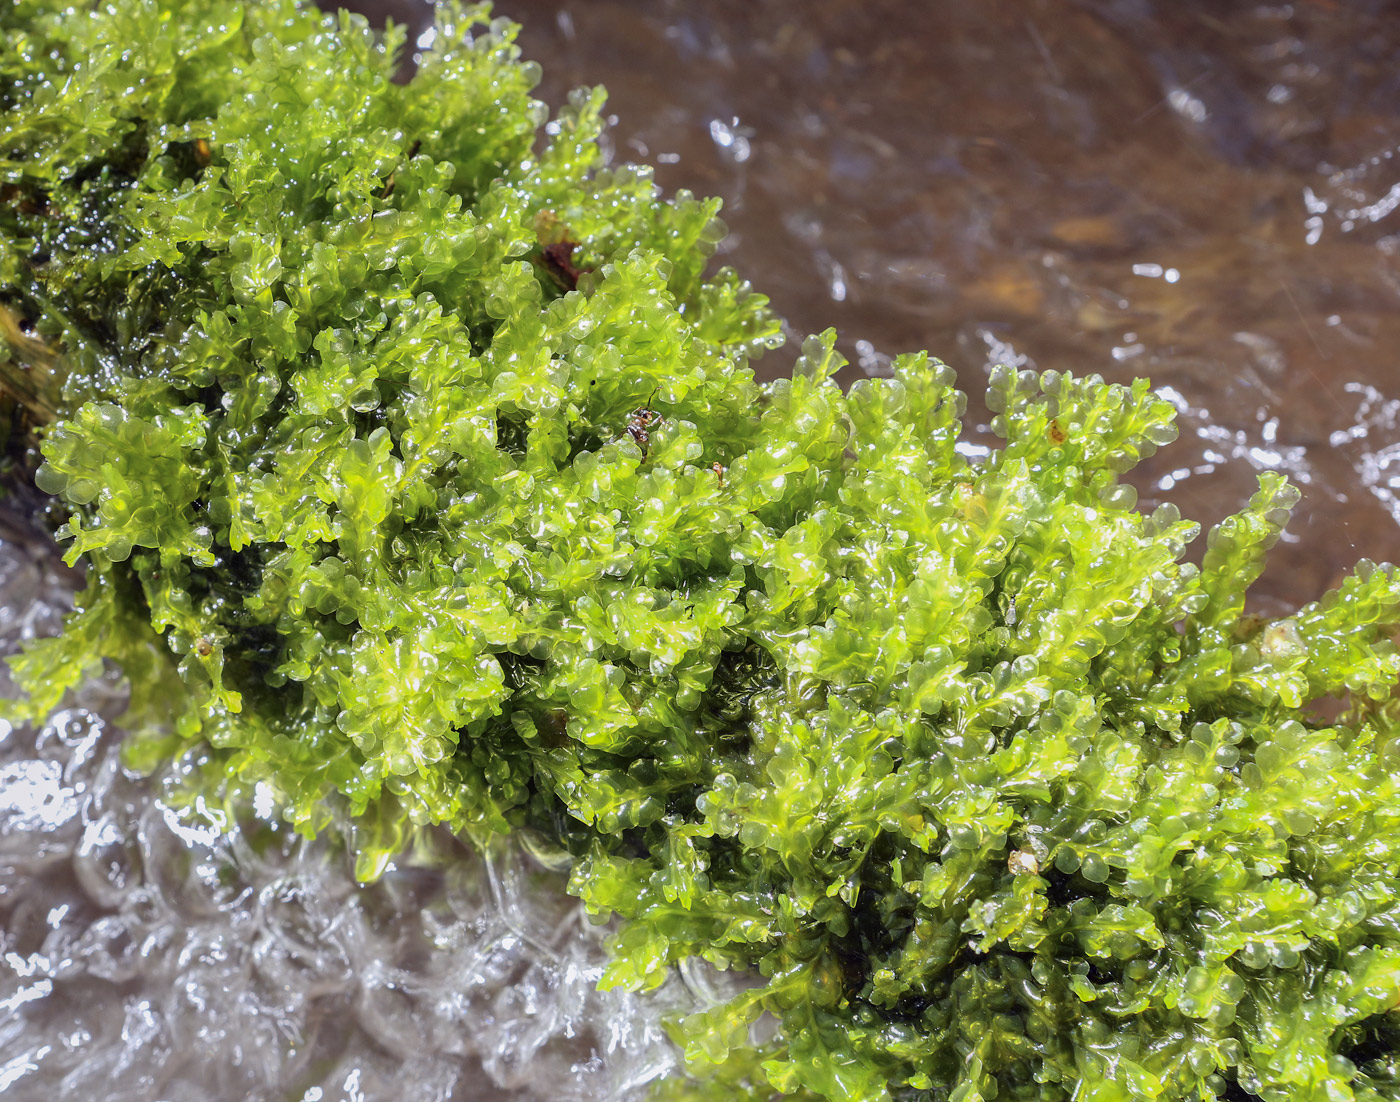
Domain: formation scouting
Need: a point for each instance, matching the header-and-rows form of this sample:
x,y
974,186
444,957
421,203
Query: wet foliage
x,y
412,511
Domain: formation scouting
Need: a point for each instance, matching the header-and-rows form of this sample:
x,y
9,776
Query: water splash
x,y
145,955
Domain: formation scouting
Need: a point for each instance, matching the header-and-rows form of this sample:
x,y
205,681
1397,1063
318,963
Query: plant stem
x,y
31,375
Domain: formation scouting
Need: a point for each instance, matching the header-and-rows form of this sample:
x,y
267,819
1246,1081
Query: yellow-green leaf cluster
x,y
414,444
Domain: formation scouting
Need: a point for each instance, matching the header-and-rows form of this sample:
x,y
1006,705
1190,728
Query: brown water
x,y
1201,192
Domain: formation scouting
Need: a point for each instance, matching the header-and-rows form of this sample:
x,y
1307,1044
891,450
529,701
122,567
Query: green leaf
x,y
422,480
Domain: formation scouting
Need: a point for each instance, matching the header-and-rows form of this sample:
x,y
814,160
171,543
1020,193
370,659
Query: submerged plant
x,y
420,476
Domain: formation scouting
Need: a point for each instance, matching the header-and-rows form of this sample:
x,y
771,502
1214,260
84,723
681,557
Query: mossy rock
x,y
420,473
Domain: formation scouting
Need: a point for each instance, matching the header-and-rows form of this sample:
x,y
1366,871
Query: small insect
x,y
639,427
203,648
718,468
202,153
1057,433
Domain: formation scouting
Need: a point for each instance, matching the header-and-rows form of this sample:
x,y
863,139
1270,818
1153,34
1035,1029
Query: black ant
x,y
638,428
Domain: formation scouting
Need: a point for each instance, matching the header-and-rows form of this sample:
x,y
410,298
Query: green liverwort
x,y
419,451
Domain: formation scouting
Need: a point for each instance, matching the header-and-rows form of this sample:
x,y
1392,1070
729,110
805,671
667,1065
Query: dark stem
x,y
31,375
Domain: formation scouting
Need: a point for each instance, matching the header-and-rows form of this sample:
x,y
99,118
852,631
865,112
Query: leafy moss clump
x,y
428,455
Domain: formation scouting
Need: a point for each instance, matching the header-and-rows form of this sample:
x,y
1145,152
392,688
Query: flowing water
x,y
1205,193
145,955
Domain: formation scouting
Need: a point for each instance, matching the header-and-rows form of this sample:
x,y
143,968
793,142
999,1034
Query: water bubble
x,y
163,957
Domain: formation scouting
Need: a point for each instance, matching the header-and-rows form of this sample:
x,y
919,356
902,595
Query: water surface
x,y
1198,192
